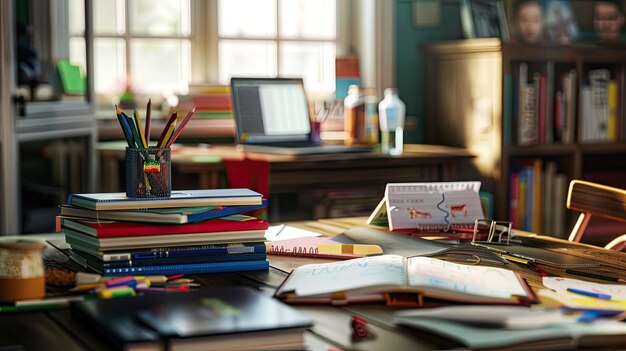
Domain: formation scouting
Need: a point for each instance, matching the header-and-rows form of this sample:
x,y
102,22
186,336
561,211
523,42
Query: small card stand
x,y
148,172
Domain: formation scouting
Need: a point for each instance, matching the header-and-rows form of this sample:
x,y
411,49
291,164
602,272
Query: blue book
x,y
179,198
177,215
101,265
192,268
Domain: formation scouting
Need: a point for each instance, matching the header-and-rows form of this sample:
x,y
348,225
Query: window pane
x,y
78,54
307,19
246,58
108,17
314,62
247,18
77,17
163,17
109,62
160,65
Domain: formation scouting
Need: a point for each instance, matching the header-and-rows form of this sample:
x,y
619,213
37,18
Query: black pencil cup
x,y
148,172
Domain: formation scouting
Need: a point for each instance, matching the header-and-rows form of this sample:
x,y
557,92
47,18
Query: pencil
x,y
125,130
595,276
147,128
137,120
179,129
166,128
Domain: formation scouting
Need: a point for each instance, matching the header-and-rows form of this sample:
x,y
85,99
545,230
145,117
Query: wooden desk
x,y
56,330
307,179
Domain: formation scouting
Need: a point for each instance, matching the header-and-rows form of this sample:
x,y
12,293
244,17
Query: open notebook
x,y
271,116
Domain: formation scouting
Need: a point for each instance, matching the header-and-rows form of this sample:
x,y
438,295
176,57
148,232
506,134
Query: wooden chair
x,y
598,200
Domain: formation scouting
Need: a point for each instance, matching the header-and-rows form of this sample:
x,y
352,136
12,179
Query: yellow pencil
x,y
139,128
356,249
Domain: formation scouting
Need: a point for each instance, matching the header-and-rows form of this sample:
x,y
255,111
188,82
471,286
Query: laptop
x,y
271,116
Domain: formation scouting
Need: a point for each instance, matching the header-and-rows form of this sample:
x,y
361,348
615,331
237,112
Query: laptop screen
x,y
270,110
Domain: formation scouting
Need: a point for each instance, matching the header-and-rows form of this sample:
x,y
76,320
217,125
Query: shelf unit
x,y
474,101
48,150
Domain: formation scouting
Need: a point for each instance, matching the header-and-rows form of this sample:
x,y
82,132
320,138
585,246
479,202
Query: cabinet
x,y
534,114
47,135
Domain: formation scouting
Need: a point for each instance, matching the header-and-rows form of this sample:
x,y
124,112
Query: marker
x,y
590,293
116,292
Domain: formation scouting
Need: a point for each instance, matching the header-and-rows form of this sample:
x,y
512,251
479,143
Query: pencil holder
x,y
148,172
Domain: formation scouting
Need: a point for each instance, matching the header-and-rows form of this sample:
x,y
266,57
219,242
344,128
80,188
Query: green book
x,y
71,79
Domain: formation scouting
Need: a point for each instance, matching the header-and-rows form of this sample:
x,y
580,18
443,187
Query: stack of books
x,y
209,101
193,231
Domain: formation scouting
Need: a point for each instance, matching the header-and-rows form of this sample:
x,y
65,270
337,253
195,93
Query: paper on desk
x,y
284,232
560,285
552,298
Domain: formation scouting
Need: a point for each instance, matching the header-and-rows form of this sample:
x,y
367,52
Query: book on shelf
x,y
594,116
179,198
112,229
430,206
175,215
90,243
397,280
215,319
190,268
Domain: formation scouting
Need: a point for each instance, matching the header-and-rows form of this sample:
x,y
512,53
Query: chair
x,y
592,199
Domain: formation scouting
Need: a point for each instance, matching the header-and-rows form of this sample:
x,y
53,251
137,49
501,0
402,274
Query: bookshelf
x,y
47,136
521,107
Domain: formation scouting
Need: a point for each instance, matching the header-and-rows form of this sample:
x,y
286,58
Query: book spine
x,y
185,260
193,268
182,252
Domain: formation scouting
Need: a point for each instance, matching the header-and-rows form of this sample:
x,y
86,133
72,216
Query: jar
x,y
22,274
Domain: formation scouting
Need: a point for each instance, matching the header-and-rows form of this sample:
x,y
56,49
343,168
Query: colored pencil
x,y
166,128
179,129
147,128
139,127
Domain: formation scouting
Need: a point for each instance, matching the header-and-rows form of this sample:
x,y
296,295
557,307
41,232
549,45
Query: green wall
x,y
410,65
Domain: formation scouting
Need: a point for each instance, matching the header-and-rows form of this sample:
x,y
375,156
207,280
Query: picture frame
x,y
484,19
561,24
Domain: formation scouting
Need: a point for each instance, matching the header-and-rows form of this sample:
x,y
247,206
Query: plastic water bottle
x,y
391,113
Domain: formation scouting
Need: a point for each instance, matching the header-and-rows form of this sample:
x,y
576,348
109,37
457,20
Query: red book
x,y
111,229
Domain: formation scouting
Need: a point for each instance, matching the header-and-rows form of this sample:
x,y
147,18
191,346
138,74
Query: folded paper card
x,y
434,206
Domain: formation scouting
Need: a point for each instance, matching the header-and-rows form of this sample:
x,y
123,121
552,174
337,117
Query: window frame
x,y
207,38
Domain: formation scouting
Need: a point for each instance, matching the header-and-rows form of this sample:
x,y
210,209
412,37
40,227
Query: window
x,y
144,45
267,38
160,47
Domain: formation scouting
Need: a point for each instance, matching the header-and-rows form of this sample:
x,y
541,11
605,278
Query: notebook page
x,y
438,275
325,278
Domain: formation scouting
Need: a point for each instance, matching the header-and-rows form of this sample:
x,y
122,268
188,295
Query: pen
x,y
590,293
595,276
